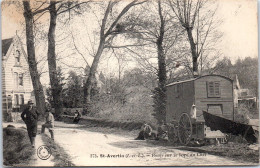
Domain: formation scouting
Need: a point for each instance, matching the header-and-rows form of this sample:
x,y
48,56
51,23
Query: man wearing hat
x,y
30,117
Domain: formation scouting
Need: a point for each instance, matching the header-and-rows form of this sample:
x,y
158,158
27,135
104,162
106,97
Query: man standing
x,y
49,121
30,117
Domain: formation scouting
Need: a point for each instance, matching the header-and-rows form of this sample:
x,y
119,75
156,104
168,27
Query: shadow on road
x,y
131,144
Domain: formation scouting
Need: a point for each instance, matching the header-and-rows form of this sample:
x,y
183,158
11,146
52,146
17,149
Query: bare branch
x,y
125,46
40,16
72,66
67,9
133,3
141,57
41,10
104,20
39,6
78,50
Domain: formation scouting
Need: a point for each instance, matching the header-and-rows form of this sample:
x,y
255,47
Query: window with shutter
x,y
214,89
16,99
210,89
217,89
22,99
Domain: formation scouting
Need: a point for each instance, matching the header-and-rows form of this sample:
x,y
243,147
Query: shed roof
x,y
174,83
192,79
6,45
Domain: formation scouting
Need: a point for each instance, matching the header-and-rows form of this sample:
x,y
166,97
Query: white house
x,y
16,81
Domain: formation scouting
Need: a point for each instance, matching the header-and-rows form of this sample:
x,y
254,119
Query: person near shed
x,y
147,133
49,123
77,117
193,112
163,131
30,117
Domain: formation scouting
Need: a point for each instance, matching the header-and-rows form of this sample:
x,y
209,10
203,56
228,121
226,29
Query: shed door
x,y
215,109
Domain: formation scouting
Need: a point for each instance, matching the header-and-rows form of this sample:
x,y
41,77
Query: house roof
x,y
6,45
193,79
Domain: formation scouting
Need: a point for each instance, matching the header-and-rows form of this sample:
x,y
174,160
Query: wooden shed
x,y
211,93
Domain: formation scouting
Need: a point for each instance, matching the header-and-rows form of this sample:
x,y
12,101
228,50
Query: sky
x,y
239,27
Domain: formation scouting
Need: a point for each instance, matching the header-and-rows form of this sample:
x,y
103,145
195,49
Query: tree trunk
x,y
38,91
193,51
160,94
56,88
93,69
103,36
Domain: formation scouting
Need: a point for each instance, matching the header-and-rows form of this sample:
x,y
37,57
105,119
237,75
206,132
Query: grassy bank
x,y
95,122
236,151
17,150
61,158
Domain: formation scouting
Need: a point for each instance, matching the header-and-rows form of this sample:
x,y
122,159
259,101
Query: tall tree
x,y
160,91
197,19
106,34
39,9
55,87
56,8
38,90
157,35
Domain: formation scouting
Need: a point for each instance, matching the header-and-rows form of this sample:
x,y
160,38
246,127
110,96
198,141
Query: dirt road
x,y
88,148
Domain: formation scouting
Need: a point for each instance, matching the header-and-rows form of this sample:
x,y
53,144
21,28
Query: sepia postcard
x,y
130,83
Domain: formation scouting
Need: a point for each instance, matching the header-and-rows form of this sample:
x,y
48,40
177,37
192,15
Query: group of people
x,y
30,116
148,133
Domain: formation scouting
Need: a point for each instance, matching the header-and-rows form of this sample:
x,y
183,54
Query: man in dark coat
x,y
30,117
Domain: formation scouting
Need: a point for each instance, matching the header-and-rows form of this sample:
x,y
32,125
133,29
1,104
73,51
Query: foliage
x,y
16,147
242,114
246,70
138,77
159,100
138,106
61,84
223,67
74,91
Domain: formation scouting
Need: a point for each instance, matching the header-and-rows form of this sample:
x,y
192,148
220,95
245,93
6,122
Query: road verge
x,y
61,158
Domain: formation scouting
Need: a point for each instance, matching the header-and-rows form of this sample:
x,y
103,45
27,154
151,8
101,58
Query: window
x,y
213,89
21,79
16,99
22,99
17,57
9,100
15,79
